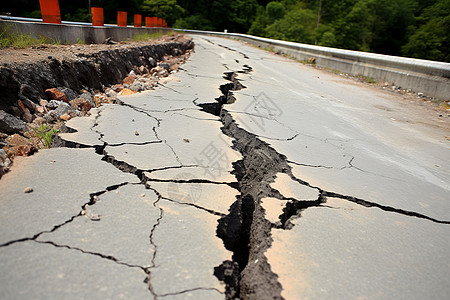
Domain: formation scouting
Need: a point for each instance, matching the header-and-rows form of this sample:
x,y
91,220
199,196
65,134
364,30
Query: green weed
x,y
45,134
145,36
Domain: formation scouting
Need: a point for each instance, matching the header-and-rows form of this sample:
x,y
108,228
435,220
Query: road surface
x,y
243,175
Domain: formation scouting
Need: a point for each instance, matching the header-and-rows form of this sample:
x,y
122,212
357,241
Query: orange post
x,y
164,23
122,18
154,22
137,20
159,23
97,16
50,11
148,22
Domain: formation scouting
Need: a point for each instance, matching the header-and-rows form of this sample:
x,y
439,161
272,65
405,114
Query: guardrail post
x,y
50,11
148,22
122,18
97,16
137,20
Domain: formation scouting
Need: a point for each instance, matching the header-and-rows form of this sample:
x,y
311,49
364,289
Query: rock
x,y
129,79
151,62
53,104
19,145
29,104
10,124
22,106
4,160
28,190
117,88
54,115
27,91
65,117
43,102
39,121
137,87
160,71
165,66
126,92
88,96
111,93
27,117
70,94
40,109
81,104
15,111
55,94
142,69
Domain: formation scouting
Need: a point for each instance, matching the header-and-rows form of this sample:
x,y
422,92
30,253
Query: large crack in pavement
x,y
245,230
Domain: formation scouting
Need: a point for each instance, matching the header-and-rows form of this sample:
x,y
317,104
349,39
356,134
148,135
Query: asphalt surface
x,y
308,184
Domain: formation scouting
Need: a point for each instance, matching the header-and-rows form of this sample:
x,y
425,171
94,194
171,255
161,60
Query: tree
x,y
168,10
431,39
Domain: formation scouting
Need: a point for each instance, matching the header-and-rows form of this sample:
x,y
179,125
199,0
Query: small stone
x,y
129,79
65,117
186,141
43,102
126,92
40,109
28,190
22,106
81,104
137,87
27,117
55,94
136,133
70,94
142,195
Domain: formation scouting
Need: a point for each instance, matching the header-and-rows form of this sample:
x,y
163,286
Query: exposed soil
x,y
15,56
48,84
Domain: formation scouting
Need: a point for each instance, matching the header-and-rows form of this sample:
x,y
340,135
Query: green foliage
x,y
297,25
45,133
168,10
275,10
197,21
431,40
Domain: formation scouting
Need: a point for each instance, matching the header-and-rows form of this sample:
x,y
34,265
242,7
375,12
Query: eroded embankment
x,y
92,71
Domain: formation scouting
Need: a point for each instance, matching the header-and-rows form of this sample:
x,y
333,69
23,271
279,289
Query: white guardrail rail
x,y
431,78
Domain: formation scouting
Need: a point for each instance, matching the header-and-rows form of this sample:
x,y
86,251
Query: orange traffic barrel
x,y
50,11
154,22
122,18
137,20
97,16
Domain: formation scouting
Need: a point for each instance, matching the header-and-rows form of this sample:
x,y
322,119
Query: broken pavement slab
x,y
118,225
32,270
63,180
344,250
187,248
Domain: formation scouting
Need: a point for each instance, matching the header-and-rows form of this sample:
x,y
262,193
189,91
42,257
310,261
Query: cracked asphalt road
x,y
294,183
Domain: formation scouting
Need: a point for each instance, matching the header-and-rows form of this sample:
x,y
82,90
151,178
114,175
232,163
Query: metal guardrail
x,y
431,78
415,65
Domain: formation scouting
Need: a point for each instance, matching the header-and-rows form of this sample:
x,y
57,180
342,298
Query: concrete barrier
x,y
428,77
76,32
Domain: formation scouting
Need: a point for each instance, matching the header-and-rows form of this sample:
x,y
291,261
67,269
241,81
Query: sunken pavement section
x,y
245,176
